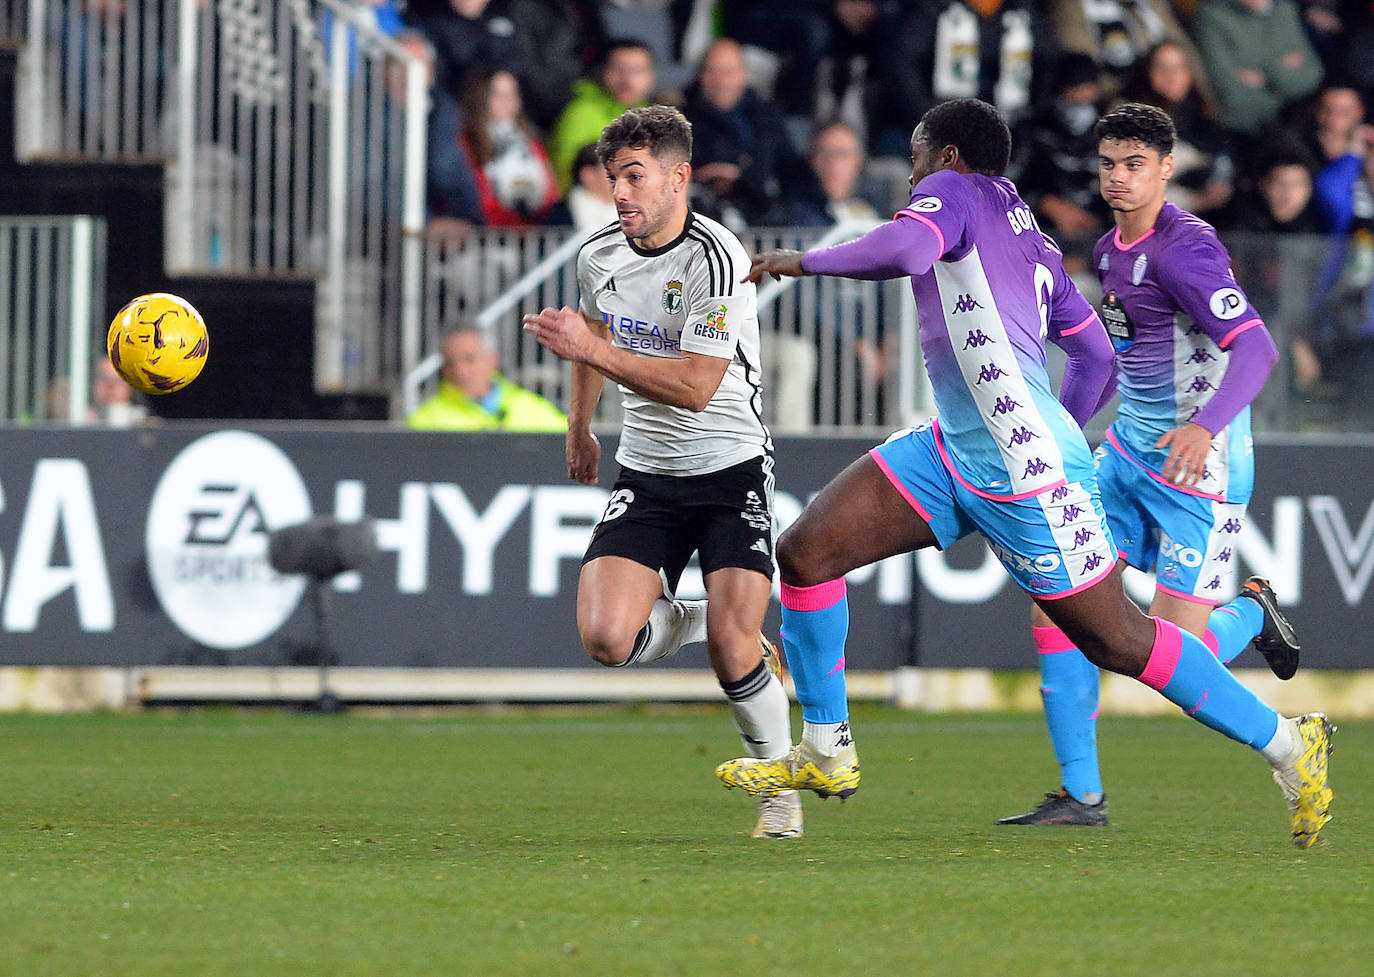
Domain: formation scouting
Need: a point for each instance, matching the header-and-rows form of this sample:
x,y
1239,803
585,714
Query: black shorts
x,y
726,517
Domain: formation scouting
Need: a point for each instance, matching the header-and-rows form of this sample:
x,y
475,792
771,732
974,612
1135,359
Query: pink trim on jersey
x,y
1081,587
1052,641
1190,598
1164,656
898,484
939,234
949,464
1092,317
1250,324
816,598
1111,439
1116,239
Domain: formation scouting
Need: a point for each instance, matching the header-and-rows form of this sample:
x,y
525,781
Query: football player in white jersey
x,y
664,314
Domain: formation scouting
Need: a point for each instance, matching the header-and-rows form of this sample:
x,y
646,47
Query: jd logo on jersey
x,y
672,297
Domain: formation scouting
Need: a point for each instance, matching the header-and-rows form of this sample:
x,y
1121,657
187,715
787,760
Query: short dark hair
x,y
976,128
1138,122
621,44
661,129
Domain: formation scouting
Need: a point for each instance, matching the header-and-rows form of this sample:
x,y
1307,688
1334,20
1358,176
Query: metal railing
x,y
837,354
52,273
295,135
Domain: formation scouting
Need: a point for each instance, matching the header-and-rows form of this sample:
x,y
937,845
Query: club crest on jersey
x,y
672,297
1138,270
1105,263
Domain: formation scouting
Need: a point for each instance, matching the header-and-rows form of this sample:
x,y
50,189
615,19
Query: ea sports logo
x,y
206,538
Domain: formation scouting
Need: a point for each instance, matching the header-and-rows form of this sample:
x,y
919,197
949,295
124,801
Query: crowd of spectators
x,y
802,112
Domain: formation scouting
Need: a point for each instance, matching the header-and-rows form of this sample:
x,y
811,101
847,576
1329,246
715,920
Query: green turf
x,y
599,843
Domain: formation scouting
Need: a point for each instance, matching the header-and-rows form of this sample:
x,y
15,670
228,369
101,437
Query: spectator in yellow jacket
x,y
474,395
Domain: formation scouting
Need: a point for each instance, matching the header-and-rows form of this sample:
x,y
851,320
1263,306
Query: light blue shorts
x,y
1053,544
1188,540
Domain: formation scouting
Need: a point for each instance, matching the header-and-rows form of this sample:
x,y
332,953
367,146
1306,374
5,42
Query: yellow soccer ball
x,y
158,343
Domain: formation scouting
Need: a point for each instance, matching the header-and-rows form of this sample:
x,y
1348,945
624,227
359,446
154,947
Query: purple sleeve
x,y
1089,375
900,247
1252,355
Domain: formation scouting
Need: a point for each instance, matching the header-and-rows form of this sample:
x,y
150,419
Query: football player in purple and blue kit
x,y
1177,468
1004,459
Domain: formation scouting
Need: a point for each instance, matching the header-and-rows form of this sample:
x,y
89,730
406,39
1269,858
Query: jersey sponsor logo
x,y
1118,324
1226,303
966,303
632,333
714,326
926,205
672,297
1138,270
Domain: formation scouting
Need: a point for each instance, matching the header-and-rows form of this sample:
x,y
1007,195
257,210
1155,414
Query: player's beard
x,y
653,218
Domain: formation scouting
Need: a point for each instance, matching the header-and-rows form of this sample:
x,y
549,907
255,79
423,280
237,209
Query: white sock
x,y
759,706
1285,736
671,624
827,738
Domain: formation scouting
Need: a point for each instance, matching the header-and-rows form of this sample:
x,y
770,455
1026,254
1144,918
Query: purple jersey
x,y
1172,307
986,307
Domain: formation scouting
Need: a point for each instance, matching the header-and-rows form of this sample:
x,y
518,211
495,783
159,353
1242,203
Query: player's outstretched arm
x,y
779,264
688,382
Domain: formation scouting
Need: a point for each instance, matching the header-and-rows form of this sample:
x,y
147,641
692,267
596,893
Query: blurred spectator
x,y
112,401
1351,61
450,183
858,40
588,206
538,42
1204,157
1116,33
1341,181
797,31
624,79
1258,57
740,154
1056,154
1277,256
474,395
515,185
832,195
943,49
1281,200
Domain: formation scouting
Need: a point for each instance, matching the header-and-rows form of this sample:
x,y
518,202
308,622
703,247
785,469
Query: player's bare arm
x,y
688,382
779,264
1188,447
582,448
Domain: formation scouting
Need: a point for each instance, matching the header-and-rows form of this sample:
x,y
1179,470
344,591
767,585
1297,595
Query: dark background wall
x,y
148,547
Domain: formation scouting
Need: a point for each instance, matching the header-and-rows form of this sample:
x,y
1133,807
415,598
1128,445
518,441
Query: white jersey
x,y
684,296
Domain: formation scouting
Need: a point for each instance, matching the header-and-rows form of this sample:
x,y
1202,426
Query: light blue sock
x,y
1069,690
1184,671
815,624
1231,628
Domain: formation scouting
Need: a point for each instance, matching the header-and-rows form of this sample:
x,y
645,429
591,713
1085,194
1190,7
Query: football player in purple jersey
x,y
1003,458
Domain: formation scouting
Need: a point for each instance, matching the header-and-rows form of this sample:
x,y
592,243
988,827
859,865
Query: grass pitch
x,y
598,842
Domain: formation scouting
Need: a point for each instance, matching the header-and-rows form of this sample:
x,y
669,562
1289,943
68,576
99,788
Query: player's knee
x,y
794,565
608,645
